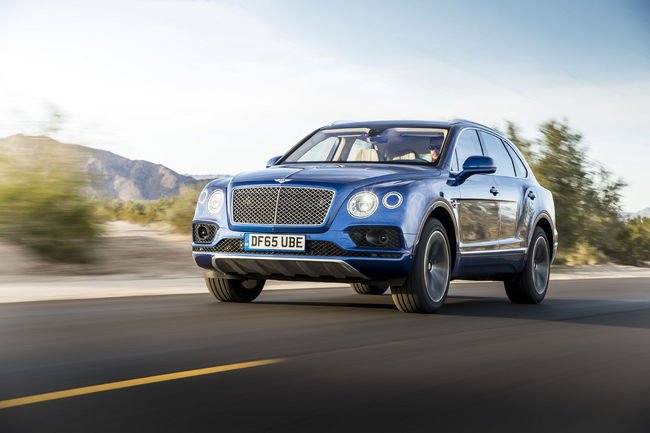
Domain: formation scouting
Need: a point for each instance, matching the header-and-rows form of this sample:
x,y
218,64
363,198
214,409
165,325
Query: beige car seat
x,y
366,155
409,155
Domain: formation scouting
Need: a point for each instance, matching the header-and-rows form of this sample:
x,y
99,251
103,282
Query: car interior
x,y
400,147
391,144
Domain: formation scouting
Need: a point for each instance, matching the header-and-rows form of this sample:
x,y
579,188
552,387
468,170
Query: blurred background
x,y
113,115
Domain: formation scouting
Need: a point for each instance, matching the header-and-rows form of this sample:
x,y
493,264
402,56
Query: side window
x,y
520,167
495,149
467,145
321,151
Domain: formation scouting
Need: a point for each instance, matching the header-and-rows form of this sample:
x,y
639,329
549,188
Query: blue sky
x,y
220,86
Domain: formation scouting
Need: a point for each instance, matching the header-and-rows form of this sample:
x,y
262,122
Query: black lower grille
x,y
203,233
389,238
313,248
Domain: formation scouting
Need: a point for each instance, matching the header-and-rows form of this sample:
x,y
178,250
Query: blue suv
x,y
408,205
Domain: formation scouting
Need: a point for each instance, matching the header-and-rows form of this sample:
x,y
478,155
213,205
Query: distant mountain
x,y
643,213
116,176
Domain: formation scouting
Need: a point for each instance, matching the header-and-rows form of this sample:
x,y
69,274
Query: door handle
x,y
494,190
531,195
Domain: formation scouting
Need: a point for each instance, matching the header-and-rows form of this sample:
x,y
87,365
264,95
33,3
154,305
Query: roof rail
x,y
338,122
470,122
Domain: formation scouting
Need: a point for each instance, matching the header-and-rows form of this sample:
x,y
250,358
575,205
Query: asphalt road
x,y
578,362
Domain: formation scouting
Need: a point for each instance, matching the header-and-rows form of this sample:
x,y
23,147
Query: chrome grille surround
x,y
281,205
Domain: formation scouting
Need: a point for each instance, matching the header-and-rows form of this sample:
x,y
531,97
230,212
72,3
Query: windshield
x,y
396,145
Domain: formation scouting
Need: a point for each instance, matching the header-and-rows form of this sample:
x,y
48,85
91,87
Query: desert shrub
x,y
180,213
43,207
176,211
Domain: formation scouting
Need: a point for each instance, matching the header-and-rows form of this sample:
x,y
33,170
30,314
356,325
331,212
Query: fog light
x,y
202,233
377,238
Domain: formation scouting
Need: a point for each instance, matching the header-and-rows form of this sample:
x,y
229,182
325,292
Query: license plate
x,y
260,242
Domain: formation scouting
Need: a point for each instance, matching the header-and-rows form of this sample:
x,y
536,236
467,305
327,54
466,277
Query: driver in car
x,y
435,144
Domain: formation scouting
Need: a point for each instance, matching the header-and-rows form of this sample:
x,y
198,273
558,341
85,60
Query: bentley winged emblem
x,y
283,180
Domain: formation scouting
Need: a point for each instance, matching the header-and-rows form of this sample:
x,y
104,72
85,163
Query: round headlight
x,y
363,204
216,201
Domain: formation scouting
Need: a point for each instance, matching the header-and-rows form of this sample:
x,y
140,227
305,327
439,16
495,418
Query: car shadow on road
x,y
605,312
380,302
622,313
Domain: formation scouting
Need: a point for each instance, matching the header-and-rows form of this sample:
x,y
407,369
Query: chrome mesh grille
x,y
281,205
254,205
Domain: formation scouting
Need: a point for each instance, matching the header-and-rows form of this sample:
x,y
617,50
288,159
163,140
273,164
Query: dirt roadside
x,y
127,250
139,260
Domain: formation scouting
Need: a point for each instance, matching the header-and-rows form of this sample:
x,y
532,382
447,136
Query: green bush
x,y
43,207
180,213
175,211
637,242
587,199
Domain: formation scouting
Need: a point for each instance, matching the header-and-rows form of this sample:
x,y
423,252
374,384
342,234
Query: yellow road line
x,y
73,392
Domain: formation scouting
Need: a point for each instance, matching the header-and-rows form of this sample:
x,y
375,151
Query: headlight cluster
x,y
365,203
215,202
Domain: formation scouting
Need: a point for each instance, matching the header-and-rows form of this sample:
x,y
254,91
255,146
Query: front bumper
x,y
229,264
329,256
301,268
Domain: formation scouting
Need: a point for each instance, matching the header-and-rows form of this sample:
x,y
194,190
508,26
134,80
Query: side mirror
x,y
271,162
477,164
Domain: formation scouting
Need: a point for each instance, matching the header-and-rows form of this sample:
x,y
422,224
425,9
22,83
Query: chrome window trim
x,y
455,146
510,146
504,250
498,137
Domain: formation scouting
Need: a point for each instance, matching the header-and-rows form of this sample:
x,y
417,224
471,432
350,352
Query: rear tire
x,y
425,290
227,290
530,286
370,288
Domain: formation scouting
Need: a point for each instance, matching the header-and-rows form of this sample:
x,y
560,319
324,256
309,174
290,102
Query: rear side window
x,y
495,149
467,145
520,167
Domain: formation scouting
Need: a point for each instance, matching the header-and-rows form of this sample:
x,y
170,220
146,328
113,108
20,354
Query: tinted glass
x,y
468,145
520,168
496,150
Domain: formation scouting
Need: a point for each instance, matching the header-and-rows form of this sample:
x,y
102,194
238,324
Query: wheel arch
x,y
544,222
443,212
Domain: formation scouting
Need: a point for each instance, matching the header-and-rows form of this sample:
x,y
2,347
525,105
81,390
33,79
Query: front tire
x,y
370,288
227,290
425,290
530,286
